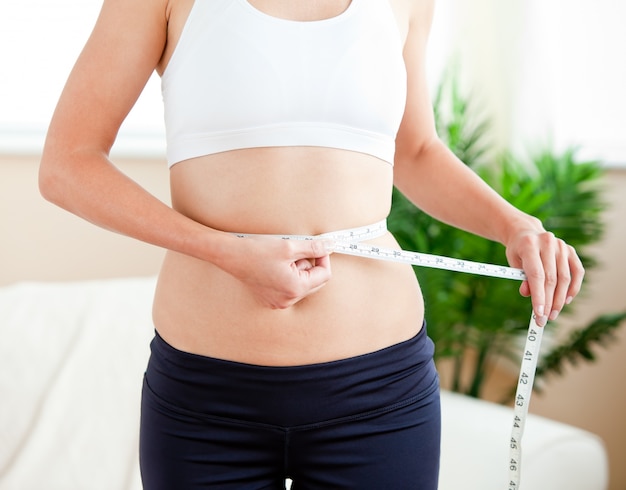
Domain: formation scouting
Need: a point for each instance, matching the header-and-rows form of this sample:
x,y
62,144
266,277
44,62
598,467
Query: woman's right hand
x,y
279,273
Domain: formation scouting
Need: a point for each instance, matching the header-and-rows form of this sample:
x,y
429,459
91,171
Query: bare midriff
x,y
367,305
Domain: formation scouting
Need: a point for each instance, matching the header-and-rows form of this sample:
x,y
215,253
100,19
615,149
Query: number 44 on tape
x,y
522,400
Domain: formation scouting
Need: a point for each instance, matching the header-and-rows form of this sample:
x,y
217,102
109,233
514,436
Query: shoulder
x,y
417,128
421,15
413,10
151,8
129,31
136,16
118,58
177,12
414,18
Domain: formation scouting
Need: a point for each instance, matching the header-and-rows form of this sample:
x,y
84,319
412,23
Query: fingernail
x,y
553,315
540,318
568,300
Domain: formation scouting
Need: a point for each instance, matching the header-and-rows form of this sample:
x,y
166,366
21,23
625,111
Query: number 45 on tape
x,y
533,339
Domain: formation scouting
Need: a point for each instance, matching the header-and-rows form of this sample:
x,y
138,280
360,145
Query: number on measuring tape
x,y
529,358
348,242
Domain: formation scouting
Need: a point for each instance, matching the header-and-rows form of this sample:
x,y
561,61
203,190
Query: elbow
x,y
55,175
414,151
411,155
49,180
64,176
67,158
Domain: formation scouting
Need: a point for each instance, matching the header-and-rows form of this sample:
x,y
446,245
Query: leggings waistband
x,y
293,395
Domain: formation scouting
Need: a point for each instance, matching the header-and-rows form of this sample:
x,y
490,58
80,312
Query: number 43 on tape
x,y
349,242
533,339
522,400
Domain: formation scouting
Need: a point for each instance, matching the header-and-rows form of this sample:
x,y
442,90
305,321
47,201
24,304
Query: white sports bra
x,y
240,78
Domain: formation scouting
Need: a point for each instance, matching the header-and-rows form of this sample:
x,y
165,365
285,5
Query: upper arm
x,y
417,129
109,75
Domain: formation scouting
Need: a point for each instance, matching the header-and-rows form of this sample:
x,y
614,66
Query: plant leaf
x,y
581,344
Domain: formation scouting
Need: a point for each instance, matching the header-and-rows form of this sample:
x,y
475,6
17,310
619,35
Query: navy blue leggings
x,y
367,422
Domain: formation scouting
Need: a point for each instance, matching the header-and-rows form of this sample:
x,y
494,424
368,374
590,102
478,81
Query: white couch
x,y
72,357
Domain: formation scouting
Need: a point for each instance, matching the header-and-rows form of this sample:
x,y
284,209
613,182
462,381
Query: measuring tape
x,y
349,242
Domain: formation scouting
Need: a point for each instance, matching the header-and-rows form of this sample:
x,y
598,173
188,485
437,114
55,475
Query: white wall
x,y
543,69
549,72
40,41
554,72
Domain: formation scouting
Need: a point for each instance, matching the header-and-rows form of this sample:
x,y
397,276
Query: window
x,y
40,42
548,71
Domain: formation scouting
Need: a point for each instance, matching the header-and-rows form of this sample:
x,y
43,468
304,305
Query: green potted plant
x,y
477,319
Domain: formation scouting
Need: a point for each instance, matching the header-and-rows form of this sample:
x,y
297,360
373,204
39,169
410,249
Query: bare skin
x,y
259,300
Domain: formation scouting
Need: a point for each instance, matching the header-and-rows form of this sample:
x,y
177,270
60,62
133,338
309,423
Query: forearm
x,y
437,182
279,273
88,185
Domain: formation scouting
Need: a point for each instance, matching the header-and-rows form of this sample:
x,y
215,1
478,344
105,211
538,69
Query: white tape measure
x,y
522,399
349,242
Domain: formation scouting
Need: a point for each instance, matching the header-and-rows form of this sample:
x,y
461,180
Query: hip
x,y
293,396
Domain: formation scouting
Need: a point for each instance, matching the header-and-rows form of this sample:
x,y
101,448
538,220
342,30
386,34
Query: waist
x,y
350,235
365,306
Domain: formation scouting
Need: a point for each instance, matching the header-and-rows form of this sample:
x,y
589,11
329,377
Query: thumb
x,y
313,249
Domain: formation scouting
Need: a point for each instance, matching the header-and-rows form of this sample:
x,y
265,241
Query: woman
x,y
282,117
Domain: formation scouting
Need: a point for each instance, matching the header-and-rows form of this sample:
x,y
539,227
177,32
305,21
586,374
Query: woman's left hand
x,y
554,272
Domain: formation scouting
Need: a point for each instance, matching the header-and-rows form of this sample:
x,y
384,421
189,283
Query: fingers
x,y
578,273
554,273
292,271
541,273
307,278
315,274
563,280
309,249
314,266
